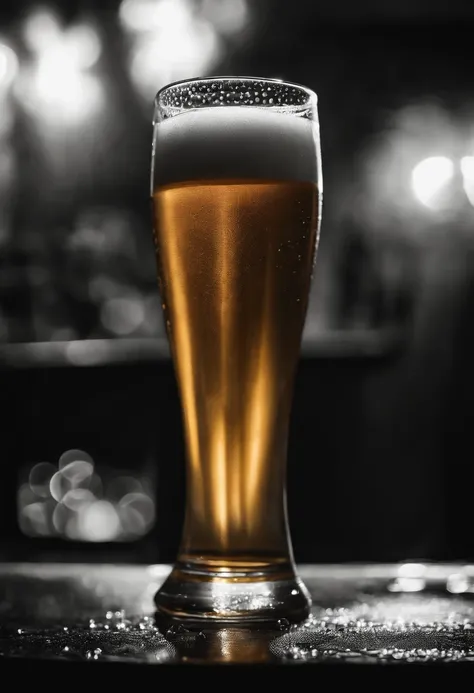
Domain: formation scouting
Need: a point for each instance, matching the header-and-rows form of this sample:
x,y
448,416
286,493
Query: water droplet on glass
x,y
177,629
146,623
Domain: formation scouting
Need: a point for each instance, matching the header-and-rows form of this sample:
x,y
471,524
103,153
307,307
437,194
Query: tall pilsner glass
x,y
236,188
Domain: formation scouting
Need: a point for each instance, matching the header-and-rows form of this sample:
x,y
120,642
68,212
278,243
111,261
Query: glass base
x,y
205,599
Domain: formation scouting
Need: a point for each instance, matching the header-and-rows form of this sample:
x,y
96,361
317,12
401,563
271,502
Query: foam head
x,y
232,143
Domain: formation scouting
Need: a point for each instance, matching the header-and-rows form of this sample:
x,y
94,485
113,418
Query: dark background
x,y
380,465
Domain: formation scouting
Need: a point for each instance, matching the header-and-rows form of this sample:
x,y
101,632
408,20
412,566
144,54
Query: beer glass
x,y
236,195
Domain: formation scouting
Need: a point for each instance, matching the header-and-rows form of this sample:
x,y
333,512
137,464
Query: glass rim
x,y
312,95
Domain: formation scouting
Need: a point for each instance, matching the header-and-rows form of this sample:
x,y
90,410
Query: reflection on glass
x,y
226,645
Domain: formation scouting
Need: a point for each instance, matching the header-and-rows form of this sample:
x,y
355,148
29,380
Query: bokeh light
x,y
8,73
8,67
467,170
146,15
77,498
177,39
121,486
123,316
74,500
171,42
40,477
227,16
408,180
71,456
57,85
429,180
98,521
88,353
34,520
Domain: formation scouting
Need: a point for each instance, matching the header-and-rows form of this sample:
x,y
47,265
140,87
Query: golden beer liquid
x,y
235,259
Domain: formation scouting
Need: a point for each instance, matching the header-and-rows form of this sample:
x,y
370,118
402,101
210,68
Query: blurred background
x,y
91,448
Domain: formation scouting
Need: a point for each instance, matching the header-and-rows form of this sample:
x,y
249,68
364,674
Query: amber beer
x,y
236,216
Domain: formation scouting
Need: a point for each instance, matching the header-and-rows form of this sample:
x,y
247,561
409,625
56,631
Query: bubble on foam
x,y
235,143
231,91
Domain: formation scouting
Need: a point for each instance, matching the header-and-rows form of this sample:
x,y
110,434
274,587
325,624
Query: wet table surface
x,y
365,618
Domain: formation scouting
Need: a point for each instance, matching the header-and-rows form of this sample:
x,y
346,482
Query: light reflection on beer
x,y
225,282
258,418
185,365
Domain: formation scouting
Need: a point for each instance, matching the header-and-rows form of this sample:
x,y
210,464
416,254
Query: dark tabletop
x,y
61,619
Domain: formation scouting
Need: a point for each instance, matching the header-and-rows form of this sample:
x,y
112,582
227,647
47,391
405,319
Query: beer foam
x,y
235,142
